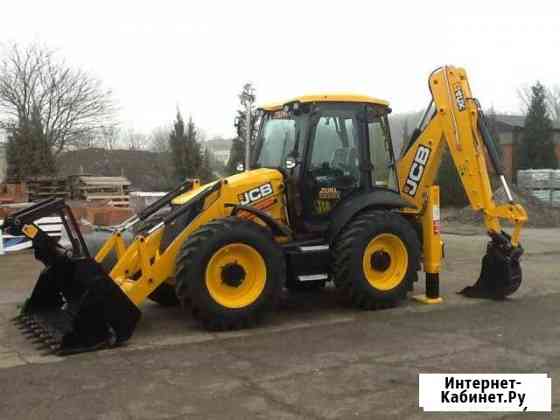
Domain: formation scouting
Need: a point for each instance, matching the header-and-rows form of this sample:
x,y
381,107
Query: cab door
x,y
332,166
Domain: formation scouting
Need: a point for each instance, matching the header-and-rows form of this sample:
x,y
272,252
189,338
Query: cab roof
x,y
326,97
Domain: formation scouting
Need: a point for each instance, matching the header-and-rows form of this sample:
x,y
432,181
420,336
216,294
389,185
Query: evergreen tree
x,y
192,152
177,142
536,149
14,170
237,154
205,173
28,153
186,154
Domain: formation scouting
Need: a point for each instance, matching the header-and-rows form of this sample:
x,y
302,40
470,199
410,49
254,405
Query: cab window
x,y
333,165
278,138
335,145
380,153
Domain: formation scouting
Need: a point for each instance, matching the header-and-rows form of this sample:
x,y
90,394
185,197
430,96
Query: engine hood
x,y
238,182
251,178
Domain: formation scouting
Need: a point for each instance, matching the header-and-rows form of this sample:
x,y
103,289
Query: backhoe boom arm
x,y
457,121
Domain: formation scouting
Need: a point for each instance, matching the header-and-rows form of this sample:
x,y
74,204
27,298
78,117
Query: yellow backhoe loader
x,y
326,200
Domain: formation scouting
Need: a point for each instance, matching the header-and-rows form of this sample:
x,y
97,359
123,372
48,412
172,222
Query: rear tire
x,y
231,272
375,259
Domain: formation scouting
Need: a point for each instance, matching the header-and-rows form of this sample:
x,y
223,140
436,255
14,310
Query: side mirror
x,y
240,167
290,162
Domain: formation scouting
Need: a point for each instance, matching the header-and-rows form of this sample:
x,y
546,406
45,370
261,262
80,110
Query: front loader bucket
x,y
76,307
500,275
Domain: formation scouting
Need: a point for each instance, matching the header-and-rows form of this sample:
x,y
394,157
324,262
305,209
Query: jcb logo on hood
x,y
255,194
416,170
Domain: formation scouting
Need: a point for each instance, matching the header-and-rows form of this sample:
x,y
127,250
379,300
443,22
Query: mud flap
x,y
500,275
76,307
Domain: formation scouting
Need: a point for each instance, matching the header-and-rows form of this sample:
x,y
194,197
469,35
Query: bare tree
x,y
159,145
110,137
135,141
71,103
159,141
90,140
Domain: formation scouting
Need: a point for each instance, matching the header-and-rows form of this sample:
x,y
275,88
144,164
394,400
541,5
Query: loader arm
x,y
457,121
454,118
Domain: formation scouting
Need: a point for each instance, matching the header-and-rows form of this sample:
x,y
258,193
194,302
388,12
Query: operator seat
x,y
339,158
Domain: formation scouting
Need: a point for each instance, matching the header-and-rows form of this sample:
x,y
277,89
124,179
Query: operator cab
x,y
331,147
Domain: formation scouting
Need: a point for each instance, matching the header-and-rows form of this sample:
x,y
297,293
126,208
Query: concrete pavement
x,y
315,359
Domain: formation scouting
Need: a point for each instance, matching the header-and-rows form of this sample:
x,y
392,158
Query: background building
x,y
220,149
510,130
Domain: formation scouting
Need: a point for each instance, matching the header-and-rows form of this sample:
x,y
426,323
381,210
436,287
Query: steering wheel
x,y
325,170
328,176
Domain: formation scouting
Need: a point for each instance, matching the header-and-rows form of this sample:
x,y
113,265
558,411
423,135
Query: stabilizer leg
x,y
433,247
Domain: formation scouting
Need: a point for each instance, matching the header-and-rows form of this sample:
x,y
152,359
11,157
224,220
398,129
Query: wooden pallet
x,y
113,190
43,188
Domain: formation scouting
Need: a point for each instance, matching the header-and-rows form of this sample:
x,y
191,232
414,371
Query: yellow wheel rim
x,y
236,275
385,261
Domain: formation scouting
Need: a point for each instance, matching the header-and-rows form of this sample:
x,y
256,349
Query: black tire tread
x,y
190,249
344,249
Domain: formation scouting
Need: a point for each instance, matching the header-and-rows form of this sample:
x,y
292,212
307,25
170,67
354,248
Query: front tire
x,y
375,259
230,271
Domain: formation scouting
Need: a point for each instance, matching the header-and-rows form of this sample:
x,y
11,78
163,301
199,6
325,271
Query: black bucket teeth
x,y
44,330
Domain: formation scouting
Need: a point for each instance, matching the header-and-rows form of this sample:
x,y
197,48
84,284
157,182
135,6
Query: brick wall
x,y
507,159
508,142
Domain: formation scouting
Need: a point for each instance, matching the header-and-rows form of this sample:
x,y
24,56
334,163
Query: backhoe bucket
x,y
500,275
76,307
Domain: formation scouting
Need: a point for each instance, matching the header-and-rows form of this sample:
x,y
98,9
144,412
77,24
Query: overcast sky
x,y
197,54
